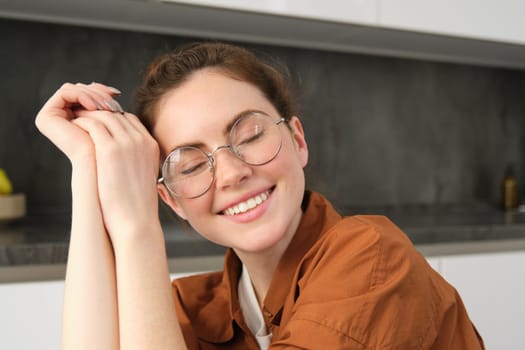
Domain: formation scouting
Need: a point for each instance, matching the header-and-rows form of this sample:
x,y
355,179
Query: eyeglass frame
x,y
211,158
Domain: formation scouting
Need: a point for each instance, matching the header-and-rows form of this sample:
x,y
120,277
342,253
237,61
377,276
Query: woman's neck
x,y
261,265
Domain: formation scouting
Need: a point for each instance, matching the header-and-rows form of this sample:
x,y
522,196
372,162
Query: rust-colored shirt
x,y
343,283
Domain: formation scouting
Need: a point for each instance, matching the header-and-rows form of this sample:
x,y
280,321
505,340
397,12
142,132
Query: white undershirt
x,y
251,311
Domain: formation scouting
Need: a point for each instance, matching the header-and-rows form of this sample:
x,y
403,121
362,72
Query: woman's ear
x,y
299,140
170,201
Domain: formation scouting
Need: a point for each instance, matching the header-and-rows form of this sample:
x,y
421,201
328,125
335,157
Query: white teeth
x,y
247,205
243,207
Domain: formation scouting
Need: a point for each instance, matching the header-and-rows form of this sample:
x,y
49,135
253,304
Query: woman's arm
x,y
127,166
147,314
90,318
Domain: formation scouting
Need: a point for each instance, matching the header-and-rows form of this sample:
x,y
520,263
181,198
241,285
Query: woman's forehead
x,y
203,107
211,94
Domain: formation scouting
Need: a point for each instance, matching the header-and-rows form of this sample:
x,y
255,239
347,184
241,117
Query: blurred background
x,y
413,109
433,117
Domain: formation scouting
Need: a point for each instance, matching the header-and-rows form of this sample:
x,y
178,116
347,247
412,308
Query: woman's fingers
x,y
90,97
71,97
117,124
71,140
123,130
54,119
136,123
109,89
102,96
115,131
98,131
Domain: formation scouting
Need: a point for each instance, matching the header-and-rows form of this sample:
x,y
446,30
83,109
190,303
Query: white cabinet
x,y
31,315
349,11
502,20
492,287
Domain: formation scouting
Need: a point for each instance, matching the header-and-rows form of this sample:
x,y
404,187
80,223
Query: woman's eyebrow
x,y
199,145
190,144
226,130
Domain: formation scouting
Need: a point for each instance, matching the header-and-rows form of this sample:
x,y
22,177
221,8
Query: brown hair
x,y
172,69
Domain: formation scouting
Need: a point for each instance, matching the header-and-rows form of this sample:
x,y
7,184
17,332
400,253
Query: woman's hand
x,y
127,160
54,119
88,125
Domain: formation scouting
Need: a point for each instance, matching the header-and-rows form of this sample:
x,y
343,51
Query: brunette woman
x,y
222,127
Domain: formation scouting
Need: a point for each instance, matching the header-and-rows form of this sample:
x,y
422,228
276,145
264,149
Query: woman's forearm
x,y
90,316
146,308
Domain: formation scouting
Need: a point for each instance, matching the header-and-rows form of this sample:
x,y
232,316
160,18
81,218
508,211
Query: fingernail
x,y
112,105
119,107
114,90
99,107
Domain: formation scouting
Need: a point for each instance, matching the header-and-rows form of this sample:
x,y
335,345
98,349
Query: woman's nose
x,y
230,170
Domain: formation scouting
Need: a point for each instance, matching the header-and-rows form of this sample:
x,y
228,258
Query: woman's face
x,y
199,112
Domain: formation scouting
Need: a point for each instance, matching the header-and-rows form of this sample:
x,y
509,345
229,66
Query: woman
x,y
297,274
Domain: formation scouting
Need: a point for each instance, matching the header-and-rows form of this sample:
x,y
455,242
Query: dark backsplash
x,y
381,131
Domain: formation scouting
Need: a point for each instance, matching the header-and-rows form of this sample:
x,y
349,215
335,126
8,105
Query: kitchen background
x,y
424,141
382,131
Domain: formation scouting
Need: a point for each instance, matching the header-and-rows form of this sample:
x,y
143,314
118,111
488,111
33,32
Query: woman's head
x,y
172,69
195,99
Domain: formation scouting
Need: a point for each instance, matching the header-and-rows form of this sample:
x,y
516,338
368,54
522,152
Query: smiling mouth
x,y
247,205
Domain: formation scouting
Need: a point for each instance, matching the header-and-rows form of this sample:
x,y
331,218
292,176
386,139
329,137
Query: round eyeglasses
x,y
255,139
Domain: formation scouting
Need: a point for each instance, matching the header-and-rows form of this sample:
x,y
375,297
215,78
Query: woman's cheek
x,y
198,210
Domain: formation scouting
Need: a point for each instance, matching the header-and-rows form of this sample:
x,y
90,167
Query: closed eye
x,y
252,138
195,169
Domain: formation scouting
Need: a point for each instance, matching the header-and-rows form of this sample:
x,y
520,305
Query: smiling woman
x,y
296,274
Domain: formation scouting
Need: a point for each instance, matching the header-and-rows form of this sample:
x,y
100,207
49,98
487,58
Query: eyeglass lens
x,y
255,139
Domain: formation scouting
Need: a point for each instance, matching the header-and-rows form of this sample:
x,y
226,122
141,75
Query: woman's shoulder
x,y
365,230
368,267
322,217
363,252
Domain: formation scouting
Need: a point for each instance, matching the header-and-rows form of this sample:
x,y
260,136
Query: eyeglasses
x,y
255,139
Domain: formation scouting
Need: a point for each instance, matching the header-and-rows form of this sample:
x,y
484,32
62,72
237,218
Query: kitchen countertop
x,y
40,243
41,240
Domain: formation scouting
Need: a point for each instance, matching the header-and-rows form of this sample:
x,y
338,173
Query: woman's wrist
x,y
83,161
137,235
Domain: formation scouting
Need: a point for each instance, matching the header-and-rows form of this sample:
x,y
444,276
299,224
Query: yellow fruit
x,y
5,185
